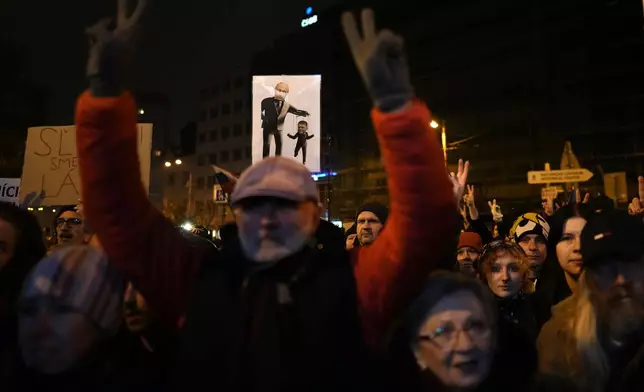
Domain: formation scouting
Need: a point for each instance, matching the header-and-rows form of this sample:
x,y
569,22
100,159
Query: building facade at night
x,y
513,81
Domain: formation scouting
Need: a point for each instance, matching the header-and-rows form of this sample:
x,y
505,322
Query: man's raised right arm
x,y
136,237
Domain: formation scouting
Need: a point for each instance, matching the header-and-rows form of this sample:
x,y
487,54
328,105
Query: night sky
x,y
185,44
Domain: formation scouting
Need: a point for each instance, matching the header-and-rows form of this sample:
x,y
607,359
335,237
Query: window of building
x,y
237,154
225,132
212,158
186,177
211,182
212,136
201,160
198,206
226,87
201,182
239,81
214,112
214,91
248,152
224,156
202,137
202,115
248,128
237,130
237,106
225,109
171,179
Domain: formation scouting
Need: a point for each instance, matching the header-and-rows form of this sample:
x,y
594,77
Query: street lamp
x,y
178,162
435,124
141,111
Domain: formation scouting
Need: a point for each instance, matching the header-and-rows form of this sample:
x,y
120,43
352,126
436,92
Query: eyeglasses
x,y
447,334
70,221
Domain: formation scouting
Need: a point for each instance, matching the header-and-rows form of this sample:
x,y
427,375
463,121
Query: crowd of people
x,y
420,295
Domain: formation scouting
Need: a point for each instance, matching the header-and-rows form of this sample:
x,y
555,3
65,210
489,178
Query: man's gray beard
x,y
271,251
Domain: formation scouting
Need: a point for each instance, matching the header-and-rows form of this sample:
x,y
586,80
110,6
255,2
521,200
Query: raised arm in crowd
x,y
239,329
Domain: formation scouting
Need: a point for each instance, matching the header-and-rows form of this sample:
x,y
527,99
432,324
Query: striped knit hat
x,y
80,277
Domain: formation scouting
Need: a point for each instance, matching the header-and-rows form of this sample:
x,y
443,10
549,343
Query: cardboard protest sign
x,y
50,171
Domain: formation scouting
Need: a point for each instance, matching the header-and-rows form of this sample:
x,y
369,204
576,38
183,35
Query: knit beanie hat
x,y
377,209
529,223
471,240
81,278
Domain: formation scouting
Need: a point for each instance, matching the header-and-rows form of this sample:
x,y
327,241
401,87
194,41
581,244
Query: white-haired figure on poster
x,y
274,111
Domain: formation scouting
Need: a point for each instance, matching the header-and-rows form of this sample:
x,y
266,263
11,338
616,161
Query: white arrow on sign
x,y
559,176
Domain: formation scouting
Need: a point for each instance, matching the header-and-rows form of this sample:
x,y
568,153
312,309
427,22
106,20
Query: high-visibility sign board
x,y
559,176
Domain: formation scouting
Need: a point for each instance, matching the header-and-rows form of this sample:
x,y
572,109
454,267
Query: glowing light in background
x,y
309,10
317,176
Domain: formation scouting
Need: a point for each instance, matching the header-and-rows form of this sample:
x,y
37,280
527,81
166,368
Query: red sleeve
x,y
136,237
421,220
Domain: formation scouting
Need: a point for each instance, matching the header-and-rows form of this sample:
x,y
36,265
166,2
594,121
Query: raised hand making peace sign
x,y
381,60
111,50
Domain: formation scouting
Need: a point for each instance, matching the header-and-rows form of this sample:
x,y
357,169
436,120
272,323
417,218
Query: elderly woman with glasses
x,y
449,341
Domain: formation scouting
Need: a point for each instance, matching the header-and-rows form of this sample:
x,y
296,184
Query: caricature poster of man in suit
x,y
291,101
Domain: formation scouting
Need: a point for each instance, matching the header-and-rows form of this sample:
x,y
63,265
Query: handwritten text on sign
x,y
559,176
51,163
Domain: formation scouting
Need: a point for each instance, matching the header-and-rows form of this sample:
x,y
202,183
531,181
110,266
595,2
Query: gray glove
x,y
381,60
111,51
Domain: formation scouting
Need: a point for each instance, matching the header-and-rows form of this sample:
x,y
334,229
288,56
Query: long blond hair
x,y
593,362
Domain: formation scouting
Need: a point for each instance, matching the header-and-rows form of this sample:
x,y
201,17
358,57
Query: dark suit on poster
x,y
274,113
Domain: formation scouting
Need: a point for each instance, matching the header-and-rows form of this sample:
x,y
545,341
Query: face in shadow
x,y
8,240
54,337
135,310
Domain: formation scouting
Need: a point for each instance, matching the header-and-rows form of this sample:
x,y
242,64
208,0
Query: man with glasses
x,y
69,227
